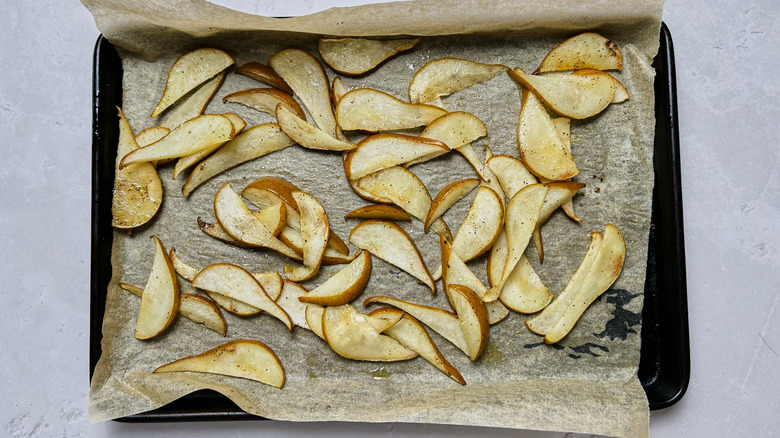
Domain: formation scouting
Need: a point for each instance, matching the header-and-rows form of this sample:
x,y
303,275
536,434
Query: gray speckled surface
x,y
725,67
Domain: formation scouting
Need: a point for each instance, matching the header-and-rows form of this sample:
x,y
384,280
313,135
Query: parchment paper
x,y
587,383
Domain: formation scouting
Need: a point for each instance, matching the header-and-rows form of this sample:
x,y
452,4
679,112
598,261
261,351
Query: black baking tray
x,y
664,367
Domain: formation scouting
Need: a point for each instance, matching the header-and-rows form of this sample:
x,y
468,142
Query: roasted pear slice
x,y
194,104
558,194
188,161
315,229
511,173
344,286
523,290
160,300
351,335
372,110
266,100
473,318
264,74
379,211
447,197
338,89
244,358
288,300
586,50
354,56
381,151
482,225
189,71
456,129
577,96
306,135
138,190
442,77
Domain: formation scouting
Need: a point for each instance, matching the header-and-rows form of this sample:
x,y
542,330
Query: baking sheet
x,y
541,368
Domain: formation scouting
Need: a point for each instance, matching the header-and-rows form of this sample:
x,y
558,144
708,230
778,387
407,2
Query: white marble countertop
x,y
728,94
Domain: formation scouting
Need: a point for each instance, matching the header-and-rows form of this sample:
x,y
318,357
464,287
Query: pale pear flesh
x,y
442,77
315,230
354,56
193,105
511,173
344,286
306,135
289,301
265,100
481,226
586,50
372,110
188,161
160,300
449,196
523,290
351,335
472,316
382,151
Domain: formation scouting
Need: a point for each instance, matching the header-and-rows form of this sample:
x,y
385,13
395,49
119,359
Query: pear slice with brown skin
x,y
511,173
482,225
412,335
391,243
151,135
315,229
305,75
456,129
196,308
293,238
351,335
354,56
194,104
239,222
338,89
188,161
265,100
306,135
473,318
447,197
247,359
255,142
189,71
289,301
382,151
370,110
237,283
264,74
583,51
577,96
160,300
523,290
442,77
138,191
602,273
379,211
344,286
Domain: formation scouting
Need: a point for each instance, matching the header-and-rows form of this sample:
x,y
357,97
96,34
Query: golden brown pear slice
x,y
189,71
188,161
265,74
193,105
539,143
586,50
602,273
288,300
447,197
351,335
456,129
379,211
577,96
385,317
151,135
399,186
241,223
497,259
344,286
273,218
522,213
315,229
439,320
511,173
482,225
391,243
160,300
372,110
138,190
442,77
306,135
253,143
314,319
265,100
293,238
523,290
381,151
236,282
305,75
244,358
202,132
338,89
354,56
412,335
473,318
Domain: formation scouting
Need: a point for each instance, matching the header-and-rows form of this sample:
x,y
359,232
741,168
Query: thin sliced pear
x,y
544,322
385,317
439,320
539,143
264,74
577,96
202,132
482,225
293,238
338,89
442,77
391,243
354,56
412,335
586,50
215,230
151,135
241,223
236,282
315,230
189,71
399,186
194,104
621,93
185,163
306,135
558,194
372,110
265,100
604,271
344,286
497,259
184,270
289,301
456,130
523,290
160,300
314,319
351,335
447,197
522,214
381,151
379,211
253,143
305,75
138,190
244,358
473,318
511,173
